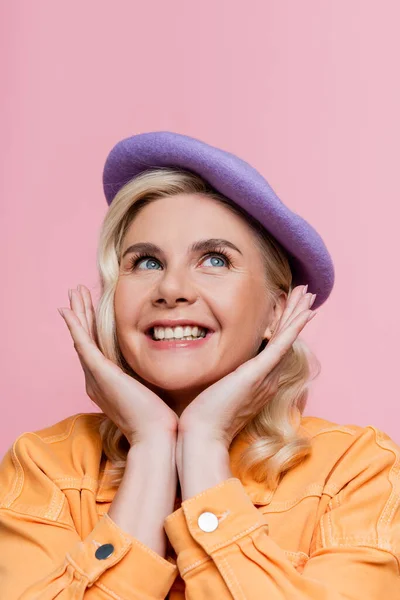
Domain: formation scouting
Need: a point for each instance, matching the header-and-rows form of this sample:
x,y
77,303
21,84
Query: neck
x,y
178,400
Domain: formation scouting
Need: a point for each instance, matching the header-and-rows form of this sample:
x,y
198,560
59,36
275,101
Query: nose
x,y
175,287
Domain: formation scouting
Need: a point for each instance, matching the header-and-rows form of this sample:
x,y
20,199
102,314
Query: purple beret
x,y
237,180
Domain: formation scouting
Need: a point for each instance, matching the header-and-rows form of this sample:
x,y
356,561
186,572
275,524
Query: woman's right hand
x,y
137,411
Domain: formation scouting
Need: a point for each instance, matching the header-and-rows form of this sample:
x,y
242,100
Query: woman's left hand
x,y
225,407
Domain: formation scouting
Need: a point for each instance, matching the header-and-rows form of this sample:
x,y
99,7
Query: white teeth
x,y
161,333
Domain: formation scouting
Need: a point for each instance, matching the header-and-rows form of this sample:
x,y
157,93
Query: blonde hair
x,y
276,444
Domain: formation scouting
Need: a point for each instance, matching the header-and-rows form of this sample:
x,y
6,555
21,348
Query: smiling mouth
x,y
150,333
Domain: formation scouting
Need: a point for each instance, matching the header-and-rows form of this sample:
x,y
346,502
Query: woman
x,y
200,478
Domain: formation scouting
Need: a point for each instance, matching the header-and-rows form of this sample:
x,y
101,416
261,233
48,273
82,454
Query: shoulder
x,y
346,450
68,450
78,426
315,426
359,470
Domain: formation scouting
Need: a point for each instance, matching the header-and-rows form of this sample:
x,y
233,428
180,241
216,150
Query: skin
x,y
203,397
232,300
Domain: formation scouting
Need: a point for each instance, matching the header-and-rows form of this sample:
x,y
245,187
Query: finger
x,y
298,301
78,307
89,311
277,348
83,343
296,294
304,303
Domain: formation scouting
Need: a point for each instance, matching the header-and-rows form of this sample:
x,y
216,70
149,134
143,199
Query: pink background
x,y
308,92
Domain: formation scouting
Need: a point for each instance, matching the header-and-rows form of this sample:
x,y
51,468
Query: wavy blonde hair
x,y
275,441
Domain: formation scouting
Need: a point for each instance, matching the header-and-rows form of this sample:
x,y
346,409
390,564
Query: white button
x,y
207,521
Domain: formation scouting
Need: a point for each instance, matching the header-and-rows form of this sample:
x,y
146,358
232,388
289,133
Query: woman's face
x,y
180,283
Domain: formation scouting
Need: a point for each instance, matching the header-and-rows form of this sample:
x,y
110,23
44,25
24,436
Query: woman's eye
x,y
216,257
148,260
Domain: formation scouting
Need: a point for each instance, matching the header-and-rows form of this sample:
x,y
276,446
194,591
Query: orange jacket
x,y
330,531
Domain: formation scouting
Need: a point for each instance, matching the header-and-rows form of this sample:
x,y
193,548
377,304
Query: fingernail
x,y
60,310
70,294
312,300
305,290
312,315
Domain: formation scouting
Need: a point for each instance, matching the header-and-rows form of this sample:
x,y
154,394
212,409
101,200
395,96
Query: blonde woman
x,y
200,478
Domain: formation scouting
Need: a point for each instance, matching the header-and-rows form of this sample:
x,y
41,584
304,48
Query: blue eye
x,y
138,258
148,259
216,257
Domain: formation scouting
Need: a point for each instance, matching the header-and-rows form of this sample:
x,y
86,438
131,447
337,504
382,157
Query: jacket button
x,y
207,521
104,551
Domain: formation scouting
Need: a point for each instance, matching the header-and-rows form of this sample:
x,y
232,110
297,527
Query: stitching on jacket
x,y
296,556
223,516
175,514
57,511
106,589
154,554
129,541
20,475
330,525
76,588
367,539
316,489
117,529
340,428
235,537
78,483
394,499
368,542
75,565
332,488
49,513
322,528
121,550
18,484
64,435
193,565
207,491
76,479
238,587
393,502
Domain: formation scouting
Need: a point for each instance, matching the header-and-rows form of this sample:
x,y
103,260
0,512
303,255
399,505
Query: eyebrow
x,y
199,246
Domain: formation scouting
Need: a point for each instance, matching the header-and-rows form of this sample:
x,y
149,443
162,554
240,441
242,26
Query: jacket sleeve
x,y
42,556
356,554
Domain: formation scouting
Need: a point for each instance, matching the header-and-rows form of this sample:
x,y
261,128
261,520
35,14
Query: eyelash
x,y
141,255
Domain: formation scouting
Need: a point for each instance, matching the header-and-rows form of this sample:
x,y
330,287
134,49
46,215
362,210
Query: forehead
x,y
192,213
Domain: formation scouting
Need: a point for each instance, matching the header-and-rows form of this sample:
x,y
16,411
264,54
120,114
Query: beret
x,y
237,180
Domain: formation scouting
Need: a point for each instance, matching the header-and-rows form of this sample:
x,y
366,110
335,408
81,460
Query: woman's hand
x,y
136,411
224,408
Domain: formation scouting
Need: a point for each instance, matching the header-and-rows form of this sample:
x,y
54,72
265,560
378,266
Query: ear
x,y
277,312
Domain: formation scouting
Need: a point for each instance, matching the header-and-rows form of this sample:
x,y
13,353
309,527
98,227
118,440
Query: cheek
x,y
246,315
241,319
124,308
242,305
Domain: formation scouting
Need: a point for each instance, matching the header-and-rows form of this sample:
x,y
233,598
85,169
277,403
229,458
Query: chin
x,y
177,382
174,384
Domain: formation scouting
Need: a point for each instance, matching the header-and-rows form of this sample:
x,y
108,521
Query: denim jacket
x,y
329,531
